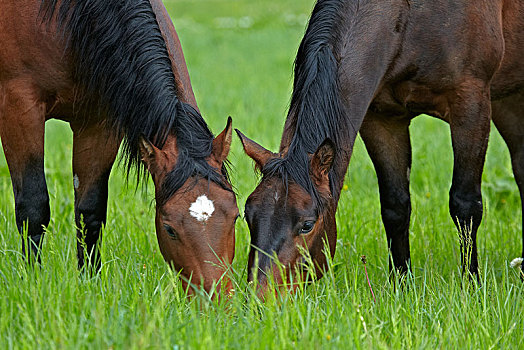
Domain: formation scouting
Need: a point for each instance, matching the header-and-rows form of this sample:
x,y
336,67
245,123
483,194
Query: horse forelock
x,y
197,169
297,171
122,63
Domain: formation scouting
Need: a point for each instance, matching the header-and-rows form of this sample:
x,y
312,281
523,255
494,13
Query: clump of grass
x,y
137,302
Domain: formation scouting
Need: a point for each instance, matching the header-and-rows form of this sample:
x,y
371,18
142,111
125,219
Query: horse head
x,y
196,224
286,221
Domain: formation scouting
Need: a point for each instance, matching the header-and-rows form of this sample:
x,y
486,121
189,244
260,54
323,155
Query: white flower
x,y
516,262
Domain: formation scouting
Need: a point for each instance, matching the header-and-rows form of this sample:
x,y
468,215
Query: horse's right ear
x,y
222,143
321,163
148,153
256,152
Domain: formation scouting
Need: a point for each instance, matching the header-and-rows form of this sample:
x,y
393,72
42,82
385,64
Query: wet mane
x,y
316,111
122,63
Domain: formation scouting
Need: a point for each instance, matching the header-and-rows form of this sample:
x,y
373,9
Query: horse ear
x,y
148,153
222,143
322,161
256,152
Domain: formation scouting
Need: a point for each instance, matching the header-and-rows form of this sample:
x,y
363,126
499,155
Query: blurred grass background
x,y
240,55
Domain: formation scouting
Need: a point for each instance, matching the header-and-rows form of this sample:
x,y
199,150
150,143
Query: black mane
x,y
316,111
122,64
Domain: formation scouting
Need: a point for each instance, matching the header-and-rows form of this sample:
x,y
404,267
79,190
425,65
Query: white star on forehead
x,y
202,208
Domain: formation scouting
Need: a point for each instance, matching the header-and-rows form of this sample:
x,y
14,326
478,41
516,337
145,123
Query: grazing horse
x,y
116,72
372,66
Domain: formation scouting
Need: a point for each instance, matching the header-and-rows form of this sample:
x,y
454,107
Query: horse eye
x,y
171,232
308,226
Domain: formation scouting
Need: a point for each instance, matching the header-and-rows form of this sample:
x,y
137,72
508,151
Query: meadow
x,y
240,55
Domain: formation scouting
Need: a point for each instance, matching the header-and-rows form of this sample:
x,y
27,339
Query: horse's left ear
x,y
222,143
148,153
321,163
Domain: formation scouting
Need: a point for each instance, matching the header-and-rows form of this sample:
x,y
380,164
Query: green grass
x,y
240,56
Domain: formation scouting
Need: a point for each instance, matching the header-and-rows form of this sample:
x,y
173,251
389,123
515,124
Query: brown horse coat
x,y
371,67
58,61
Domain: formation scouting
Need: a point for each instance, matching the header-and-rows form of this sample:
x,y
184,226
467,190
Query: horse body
x,y
450,68
41,64
371,67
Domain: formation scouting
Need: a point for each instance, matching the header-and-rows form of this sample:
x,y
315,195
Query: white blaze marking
x,y
202,208
76,181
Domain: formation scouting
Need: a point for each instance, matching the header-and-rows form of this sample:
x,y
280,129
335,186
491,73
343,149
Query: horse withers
x,y
371,67
116,72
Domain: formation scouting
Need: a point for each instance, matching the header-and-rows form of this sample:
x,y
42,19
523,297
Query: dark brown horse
x,y
372,66
115,71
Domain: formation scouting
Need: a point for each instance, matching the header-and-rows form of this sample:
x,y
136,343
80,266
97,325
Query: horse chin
x,y
203,279
216,289
276,288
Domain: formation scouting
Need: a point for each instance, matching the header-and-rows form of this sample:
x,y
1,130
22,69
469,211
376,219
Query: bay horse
x,y
116,72
371,67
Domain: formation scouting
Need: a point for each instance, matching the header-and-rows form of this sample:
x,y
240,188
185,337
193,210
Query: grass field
x,y
240,54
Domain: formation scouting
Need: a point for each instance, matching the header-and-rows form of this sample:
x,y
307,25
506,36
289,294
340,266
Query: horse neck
x,y
174,48
361,68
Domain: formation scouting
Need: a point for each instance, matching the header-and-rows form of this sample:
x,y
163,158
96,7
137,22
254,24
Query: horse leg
x,y
470,112
22,127
94,152
508,117
388,144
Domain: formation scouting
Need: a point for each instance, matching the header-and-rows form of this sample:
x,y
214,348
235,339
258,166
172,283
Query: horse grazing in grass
x,y
116,72
372,66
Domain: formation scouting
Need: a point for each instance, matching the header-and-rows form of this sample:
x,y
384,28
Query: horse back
x,y
447,46
453,42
